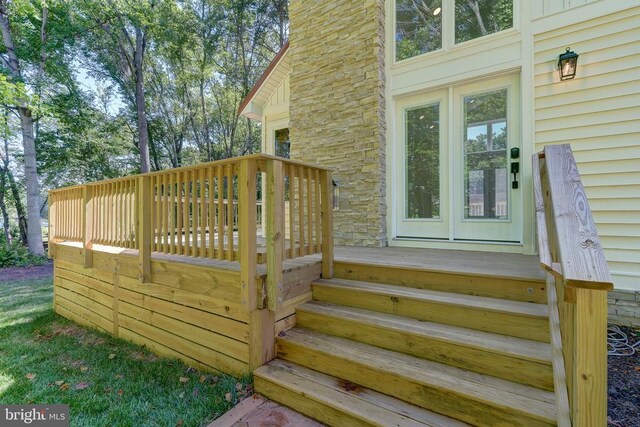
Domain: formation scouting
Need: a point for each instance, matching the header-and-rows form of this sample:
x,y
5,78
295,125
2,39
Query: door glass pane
x,y
418,27
423,162
477,18
283,146
485,156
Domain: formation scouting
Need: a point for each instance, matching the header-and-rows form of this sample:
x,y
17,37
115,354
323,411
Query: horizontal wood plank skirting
x,y
190,309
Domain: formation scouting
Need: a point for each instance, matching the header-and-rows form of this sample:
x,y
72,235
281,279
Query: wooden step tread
x,y
484,303
366,405
489,342
451,381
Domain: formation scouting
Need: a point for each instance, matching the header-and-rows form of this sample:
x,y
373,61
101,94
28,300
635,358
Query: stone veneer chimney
x,y
337,107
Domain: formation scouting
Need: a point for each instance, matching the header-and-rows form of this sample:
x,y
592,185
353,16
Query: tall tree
x,y
117,39
12,64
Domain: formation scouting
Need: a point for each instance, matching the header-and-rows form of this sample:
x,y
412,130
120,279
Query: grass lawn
x,y
45,358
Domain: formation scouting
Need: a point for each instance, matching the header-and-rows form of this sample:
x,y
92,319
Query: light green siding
x,y
599,114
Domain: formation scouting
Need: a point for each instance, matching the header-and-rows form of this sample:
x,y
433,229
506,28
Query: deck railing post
x,y
87,225
275,232
326,211
143,226
589,400
247,231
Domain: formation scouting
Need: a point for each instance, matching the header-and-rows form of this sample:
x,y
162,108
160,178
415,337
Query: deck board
x,y
446,260
443,260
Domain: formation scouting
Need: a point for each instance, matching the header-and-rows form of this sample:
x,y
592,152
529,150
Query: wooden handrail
x,y
577,284
254,157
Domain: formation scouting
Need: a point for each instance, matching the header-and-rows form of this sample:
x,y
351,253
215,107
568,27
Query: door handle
x,y
515,170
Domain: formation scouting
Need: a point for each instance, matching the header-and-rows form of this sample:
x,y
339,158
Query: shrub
x,y
16,255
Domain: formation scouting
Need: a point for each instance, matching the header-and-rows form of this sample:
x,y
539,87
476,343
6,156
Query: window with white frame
x,y
423,26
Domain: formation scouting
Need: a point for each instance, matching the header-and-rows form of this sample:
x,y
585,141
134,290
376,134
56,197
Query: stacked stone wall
x,y
624,307
337,107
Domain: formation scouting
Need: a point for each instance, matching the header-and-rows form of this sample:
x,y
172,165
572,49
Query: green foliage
x,y
201,59
16,255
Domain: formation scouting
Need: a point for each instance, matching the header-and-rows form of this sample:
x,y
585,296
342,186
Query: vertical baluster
x,y
81,214
104,229
115,213
114,198
69,234
292,206
132,221
124,220
309,212
69,216
186,214
109,214
163,202
63,222
98,212
317,209
159,210
120,216
220,227
172,213
165,213
194,212
203,214
68,220
179,214
103,214
301,209
230,200
212,215
114,217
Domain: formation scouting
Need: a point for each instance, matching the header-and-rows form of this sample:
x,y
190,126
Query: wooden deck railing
x,y
66,214
210,210
577,283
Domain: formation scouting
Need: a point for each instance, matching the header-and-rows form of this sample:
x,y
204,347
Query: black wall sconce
x,y
336,195
568,64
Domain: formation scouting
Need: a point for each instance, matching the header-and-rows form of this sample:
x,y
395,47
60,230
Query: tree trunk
x,y
34,222
3,208
473,4
143,132
207,137
34,229
17,201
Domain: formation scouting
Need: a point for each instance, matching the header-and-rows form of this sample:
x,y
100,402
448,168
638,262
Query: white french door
x,y
454,163
422,165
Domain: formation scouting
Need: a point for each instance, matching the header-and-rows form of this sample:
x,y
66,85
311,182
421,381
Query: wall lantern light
x,y
336,195
568,64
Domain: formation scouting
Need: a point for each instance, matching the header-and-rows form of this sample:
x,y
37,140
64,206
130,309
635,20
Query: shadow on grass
x,y
45,358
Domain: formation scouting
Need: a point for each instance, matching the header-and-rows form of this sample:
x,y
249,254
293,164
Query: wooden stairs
x,y
370,353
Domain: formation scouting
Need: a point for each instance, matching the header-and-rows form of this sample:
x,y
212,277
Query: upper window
x,y
282,143
420,28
